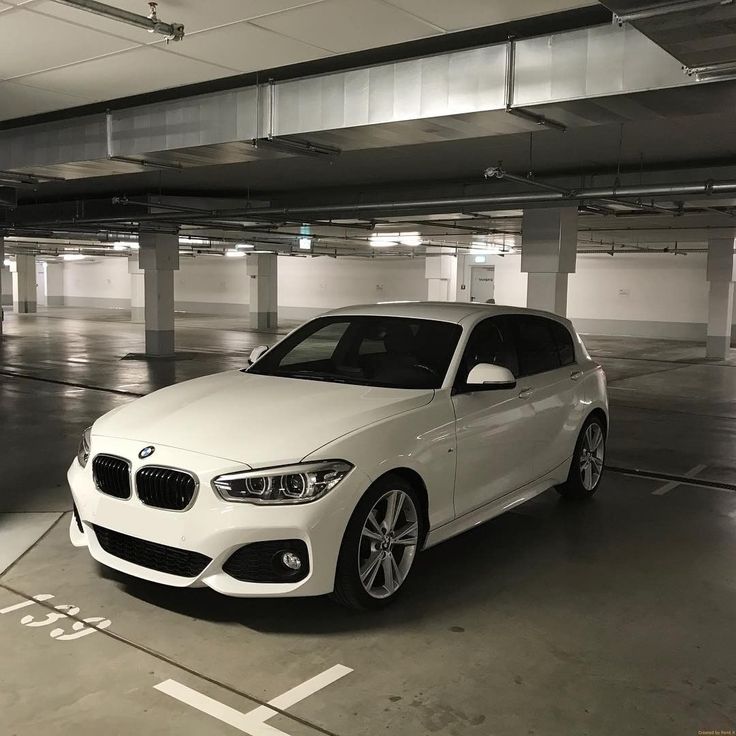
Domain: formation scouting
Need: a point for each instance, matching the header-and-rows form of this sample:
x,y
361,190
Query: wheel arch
x,y
414,479
600,414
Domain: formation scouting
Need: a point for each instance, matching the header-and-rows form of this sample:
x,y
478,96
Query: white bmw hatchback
x,y
363,437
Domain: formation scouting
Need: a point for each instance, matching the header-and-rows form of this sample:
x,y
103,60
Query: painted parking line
x,y
667,487
253,722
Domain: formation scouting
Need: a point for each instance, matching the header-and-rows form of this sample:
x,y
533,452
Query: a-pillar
x,y
24,284
548,253
263,290
720,274
137,291
440,270
158,256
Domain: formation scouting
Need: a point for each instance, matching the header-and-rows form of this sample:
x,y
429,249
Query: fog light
x,y
290,560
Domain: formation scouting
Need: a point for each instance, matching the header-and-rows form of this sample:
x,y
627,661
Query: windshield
x,y
394,352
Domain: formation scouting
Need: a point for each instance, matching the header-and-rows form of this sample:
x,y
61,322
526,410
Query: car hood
x,y
253,419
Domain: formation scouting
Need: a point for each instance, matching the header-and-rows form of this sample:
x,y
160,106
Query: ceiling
x,y
53,56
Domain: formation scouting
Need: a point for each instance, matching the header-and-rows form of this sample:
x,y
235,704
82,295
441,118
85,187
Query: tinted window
x,y
492,341
536,347
563,343
396,352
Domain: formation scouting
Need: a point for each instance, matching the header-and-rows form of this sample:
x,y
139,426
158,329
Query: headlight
x,y
291,484
84,447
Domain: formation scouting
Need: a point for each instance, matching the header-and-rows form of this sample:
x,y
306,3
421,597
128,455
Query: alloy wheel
x,y
591,456
388,544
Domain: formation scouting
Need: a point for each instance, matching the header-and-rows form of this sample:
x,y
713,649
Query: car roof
x,y
441,311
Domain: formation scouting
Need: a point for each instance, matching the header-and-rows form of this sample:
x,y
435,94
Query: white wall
x,y
308,286
660,295
102,282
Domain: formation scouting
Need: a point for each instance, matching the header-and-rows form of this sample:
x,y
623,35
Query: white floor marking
x,y
667,487
18,606
253,722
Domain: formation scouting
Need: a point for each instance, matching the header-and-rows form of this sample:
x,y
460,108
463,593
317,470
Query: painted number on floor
x,y
61,613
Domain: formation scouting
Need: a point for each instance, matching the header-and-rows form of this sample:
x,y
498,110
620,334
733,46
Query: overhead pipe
x,y
172,31
655,11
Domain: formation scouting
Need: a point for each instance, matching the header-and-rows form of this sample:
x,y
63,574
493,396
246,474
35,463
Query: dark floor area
x,y
615,617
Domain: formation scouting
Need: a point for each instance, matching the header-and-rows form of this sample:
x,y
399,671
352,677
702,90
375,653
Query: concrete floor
x,y
611,618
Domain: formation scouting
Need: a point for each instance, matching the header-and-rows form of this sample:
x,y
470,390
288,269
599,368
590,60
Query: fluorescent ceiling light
x,y
242,246
134,246
73,256
305,243
234,254
388,240
120,246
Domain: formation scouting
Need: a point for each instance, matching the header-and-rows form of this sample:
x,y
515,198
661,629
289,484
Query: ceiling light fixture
x,y
235,254
243,246
73,256
389,240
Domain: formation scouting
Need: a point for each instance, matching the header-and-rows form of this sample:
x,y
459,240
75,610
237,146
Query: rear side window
x,y
563,343
537,348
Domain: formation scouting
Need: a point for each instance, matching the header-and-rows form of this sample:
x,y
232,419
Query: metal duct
x,y
461,94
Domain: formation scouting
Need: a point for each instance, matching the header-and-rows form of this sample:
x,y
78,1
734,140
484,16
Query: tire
x,y
586,469
377,557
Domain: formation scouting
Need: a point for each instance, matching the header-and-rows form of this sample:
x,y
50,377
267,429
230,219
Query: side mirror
x,y
256,353
486,376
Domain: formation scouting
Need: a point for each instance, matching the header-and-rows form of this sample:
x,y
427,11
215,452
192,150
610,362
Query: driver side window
x,y
492,341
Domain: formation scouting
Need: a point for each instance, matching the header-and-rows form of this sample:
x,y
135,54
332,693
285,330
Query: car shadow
x,y
469,570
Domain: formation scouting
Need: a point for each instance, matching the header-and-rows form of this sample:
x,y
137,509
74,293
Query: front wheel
x,y
380,544
586,469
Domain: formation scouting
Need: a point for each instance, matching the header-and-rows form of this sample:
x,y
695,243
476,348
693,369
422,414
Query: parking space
x,y
538,622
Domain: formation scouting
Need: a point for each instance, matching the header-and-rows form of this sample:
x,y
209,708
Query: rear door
x,y
548,378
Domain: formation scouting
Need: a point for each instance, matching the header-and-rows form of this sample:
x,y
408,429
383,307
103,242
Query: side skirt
x,y
497,507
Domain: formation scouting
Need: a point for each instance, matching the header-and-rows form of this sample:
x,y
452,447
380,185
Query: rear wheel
x,y
586,469
380,544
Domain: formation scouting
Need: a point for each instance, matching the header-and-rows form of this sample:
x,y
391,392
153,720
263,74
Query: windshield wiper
x,y
313,376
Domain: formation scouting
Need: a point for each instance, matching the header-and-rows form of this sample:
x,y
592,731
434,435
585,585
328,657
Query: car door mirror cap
x,y
256,353
487,376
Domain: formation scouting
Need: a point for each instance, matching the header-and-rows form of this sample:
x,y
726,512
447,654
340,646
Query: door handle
x,y
575,375
525,393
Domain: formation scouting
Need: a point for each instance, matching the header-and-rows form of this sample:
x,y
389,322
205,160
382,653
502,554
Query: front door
x,y
495,429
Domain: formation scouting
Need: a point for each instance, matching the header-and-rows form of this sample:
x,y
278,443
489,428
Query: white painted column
x,y
548,254
54,274
41,283
440,270
721,273
159,258
263,290
137,290
24,284
2,282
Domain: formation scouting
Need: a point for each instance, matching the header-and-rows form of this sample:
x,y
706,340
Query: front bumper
x,y
212,526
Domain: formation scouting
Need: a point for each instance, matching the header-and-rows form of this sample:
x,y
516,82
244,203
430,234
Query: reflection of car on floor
x,y
362,437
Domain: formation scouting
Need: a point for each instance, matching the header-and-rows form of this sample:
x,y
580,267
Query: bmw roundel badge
x,y
146,452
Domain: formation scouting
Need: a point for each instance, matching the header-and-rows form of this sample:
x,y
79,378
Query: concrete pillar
x,y
721,272
41,283
24,284
137,291
2,281
54,275
548,252
440,270
263,290
159,258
